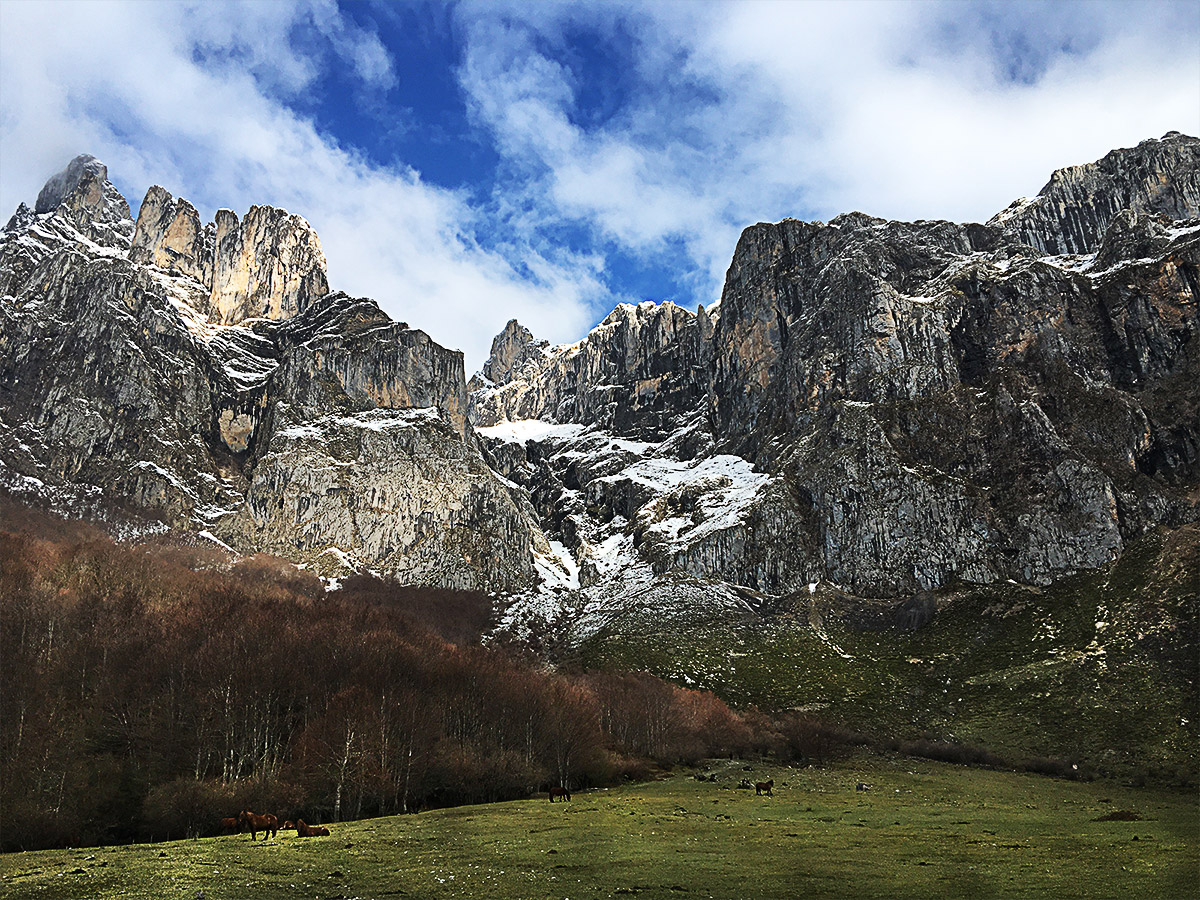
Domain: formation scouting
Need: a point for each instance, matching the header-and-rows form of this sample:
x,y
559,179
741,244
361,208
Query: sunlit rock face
x,y
205,375
268,265
917,404
640,372
168,234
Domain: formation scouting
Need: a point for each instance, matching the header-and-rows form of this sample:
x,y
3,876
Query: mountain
x,y
880,407
206,375
889,407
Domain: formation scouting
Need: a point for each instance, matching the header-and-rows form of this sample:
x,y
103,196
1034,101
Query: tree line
x,y
150,691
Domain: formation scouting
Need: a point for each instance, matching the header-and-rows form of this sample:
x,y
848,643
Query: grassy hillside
x,y
1099,669
922,830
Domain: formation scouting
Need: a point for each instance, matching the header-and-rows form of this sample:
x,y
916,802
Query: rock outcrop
x,y
268,265
83,196
168,234
639,373
1073,211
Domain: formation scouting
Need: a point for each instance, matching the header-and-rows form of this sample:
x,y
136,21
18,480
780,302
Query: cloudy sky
x,y
469,163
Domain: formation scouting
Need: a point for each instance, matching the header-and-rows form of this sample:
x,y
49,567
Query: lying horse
x,y
764,787
559,792
268,824
303,830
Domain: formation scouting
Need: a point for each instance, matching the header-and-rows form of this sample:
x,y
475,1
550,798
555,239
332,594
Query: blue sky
x,y
468,163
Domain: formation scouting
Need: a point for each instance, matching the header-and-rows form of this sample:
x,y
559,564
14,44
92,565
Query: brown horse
x,y
559,792
764,787
230,825
268,824
303,830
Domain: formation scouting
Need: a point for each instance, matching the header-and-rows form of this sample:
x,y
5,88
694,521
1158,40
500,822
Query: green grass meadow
x,y
923,830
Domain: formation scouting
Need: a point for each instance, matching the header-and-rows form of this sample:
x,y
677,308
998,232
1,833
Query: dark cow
x,y
303,830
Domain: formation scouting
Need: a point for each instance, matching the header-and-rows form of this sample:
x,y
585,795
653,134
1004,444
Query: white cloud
x,y
185,96
752,111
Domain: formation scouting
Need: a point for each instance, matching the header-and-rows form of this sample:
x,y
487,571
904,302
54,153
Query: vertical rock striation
x,y
639,373
168,234
1073,211
268,265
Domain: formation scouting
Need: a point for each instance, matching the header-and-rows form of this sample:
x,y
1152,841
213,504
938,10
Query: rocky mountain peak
x,y
169,235
268,265
58,186
82,195
1073,211
511,348
639,373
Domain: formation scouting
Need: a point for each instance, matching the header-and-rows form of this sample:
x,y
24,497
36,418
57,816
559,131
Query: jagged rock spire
x,y
510,348
1073,211
266,265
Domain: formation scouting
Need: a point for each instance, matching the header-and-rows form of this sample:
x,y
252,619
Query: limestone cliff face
x,y
916,403
400,490
814,313
168,234
268,265
351,351
278,417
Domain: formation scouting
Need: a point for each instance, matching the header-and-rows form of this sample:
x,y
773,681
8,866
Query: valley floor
x,y
923,829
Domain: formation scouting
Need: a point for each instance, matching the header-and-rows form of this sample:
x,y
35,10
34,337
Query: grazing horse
x,y
303,830
559,792
764,787
230,825
268,824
